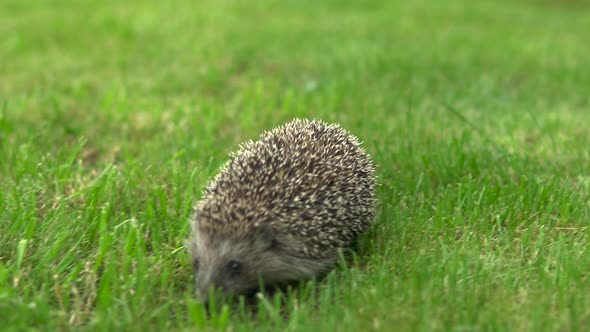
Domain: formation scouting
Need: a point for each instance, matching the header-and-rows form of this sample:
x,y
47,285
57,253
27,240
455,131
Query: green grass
x,y
113,115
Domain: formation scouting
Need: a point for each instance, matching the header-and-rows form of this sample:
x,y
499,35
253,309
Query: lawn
x,y
114,115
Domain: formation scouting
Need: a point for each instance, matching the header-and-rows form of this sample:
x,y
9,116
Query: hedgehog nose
x,y
210,296
203,294
206,292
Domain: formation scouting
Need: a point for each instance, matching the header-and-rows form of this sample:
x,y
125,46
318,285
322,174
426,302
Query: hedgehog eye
x,y
234,267
196,264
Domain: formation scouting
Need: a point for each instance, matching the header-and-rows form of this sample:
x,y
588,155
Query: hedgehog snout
x,y
206,290
215,283
203,293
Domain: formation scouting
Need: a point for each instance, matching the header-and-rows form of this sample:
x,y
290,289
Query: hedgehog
x,y
281,209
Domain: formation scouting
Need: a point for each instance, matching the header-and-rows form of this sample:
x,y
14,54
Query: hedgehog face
x,y
234,264
239,264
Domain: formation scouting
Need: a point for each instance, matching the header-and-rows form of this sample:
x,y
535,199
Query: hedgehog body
x,y
281,208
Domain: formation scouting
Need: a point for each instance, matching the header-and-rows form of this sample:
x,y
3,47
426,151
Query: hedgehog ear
x,y
264,236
